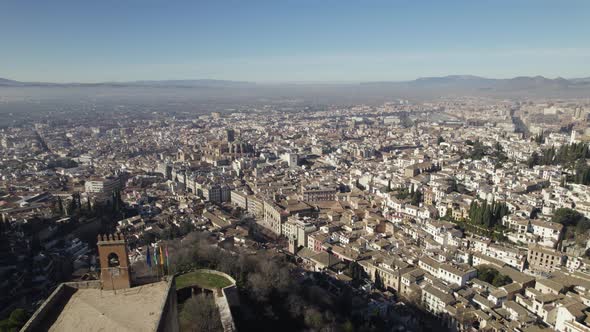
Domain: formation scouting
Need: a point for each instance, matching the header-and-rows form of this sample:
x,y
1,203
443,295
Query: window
x,y
113,260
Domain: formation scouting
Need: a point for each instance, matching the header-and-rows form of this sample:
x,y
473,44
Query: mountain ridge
x,y
216,82
210,89
140,83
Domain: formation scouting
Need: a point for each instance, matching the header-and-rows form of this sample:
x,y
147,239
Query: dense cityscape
x,y
462,213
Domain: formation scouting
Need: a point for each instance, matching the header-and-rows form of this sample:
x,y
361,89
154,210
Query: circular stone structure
x,y
220,284
203,278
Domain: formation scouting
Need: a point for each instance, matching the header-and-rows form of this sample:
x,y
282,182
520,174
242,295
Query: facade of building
x,y
274,217
435,300
544,259
239,199
102,186
318,193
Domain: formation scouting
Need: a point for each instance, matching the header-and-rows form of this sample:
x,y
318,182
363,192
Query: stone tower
x,y
293,245
114,262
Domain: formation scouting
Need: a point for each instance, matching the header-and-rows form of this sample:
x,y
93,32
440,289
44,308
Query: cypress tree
x,y
378,281
79,201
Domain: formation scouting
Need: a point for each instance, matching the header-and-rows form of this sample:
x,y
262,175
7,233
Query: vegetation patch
x,y
202,279
492,276
571,156
576,225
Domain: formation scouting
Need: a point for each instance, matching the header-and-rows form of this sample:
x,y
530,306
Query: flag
x,y
161,257
155,256
148,258
167,259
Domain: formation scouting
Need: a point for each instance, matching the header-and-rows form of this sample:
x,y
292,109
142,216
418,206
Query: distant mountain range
x,y
478,82
451,80
164,83
426,87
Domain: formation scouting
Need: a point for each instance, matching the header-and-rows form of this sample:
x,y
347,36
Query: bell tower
x,y
114,261
293,245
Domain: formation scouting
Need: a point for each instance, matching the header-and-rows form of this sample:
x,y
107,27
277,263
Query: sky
x,y
291,41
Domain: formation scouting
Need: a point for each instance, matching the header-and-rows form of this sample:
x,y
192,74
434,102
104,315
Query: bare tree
x,y
199,314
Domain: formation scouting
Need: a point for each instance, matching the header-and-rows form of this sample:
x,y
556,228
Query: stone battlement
x,y
116,237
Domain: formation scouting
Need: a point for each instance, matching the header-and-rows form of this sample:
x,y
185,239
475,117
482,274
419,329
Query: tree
x,y
287,304
71,207
347,326
487,214
478,151
402,193
533,160
499,154
186,227
448,214
149,238
582,226
405,120
498,149
575,224
453,185
492,276
416,197
355,271
566,155
115,206
18,317
270,277
566,216
78,200
440,139
314,319
378,281
199,313
581,172
501,280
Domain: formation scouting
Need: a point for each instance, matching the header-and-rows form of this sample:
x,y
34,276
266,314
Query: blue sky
x,y
299,40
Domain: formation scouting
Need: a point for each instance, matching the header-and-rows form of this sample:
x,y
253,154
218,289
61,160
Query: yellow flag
x,y
161,257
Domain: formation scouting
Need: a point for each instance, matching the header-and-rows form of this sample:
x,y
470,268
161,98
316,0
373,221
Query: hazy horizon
x,y
271,82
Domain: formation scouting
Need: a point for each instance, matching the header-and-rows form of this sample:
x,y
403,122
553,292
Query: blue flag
x,y
148,257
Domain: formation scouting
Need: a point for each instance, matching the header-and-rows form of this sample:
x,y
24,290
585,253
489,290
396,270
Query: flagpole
x,y
149,260
162,261
151,263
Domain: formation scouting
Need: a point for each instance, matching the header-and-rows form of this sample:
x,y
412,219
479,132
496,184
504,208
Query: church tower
x,y
293,245
114,262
